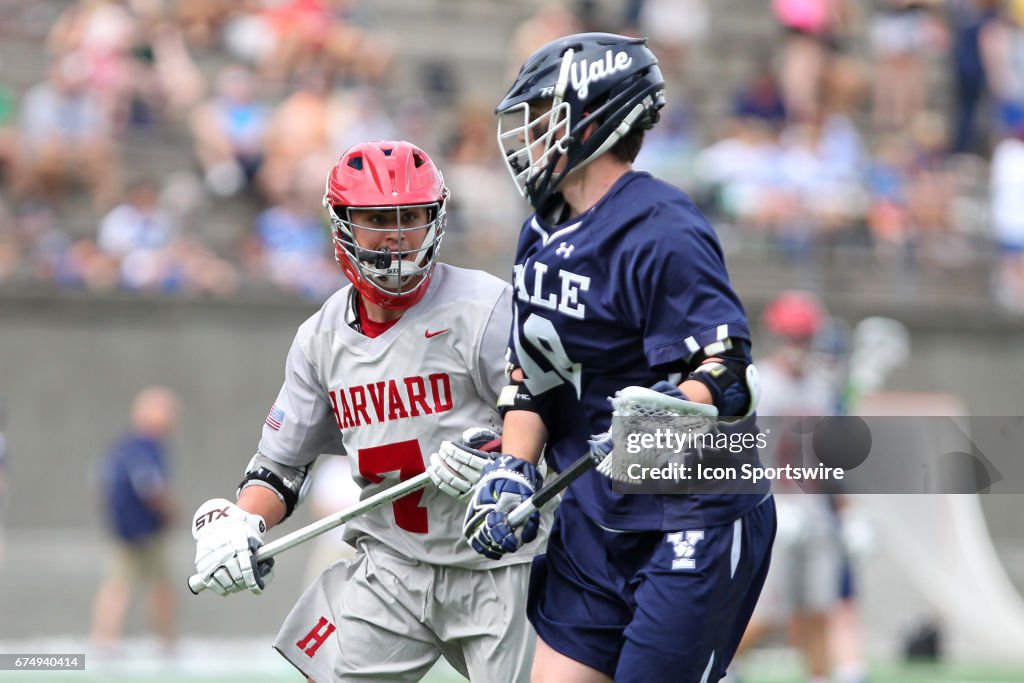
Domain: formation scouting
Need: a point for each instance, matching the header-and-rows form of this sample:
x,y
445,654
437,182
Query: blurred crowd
x,y
892,126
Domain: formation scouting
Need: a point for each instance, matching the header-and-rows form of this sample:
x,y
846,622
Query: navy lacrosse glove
x,y
669,389
504,484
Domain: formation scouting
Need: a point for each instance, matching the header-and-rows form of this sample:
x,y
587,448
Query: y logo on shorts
x,y
316,637
684,544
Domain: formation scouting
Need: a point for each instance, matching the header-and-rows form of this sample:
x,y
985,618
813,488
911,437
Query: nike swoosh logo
x,y
428,334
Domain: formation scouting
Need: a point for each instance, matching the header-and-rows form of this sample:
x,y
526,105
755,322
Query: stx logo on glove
x,y
203,519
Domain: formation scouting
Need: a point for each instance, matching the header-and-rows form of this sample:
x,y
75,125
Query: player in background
x,y
3,475
400,360
619,281
803,583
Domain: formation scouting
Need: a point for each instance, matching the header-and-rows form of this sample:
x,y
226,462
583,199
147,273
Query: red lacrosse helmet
x,y
388,175
795,314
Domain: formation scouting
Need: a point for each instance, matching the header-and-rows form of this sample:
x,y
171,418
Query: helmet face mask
x,y
396,270
571,102
533,143
386,201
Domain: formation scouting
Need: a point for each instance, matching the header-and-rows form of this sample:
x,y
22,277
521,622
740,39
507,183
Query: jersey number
x,y
543,336
406,457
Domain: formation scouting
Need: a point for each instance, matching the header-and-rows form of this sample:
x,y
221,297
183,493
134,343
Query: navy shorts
x,y
650,606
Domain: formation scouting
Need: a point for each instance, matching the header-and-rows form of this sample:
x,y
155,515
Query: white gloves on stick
x,y
456,467
226,538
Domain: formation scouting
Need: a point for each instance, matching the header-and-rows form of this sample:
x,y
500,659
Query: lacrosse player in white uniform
x,y
407,356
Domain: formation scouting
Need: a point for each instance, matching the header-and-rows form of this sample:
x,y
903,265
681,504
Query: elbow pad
x,y
733,384
289,483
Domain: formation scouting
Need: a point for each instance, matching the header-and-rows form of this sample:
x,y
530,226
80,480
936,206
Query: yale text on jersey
x,y
393,399
562,296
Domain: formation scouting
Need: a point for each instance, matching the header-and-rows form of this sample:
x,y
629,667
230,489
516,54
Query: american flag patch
x,y
275,418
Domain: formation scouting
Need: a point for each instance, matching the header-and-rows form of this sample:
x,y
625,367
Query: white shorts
x,y
383,617
804,575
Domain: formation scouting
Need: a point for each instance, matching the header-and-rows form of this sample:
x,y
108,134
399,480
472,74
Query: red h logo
x,y
315,638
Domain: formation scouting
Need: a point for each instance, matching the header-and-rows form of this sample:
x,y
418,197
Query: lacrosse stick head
x,y
644,410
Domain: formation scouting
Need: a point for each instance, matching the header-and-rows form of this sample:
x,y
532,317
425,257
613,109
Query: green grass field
x,y
888,673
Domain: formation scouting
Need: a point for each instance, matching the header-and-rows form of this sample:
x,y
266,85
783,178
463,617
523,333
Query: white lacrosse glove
x,y
226,538
456,466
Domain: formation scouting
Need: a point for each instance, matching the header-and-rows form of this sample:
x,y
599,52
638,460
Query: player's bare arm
x,y
263,502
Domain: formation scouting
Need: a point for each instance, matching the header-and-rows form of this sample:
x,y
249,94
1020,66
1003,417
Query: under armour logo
x,y
685,548
565,249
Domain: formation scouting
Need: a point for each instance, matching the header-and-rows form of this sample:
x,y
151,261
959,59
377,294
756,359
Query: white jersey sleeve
x,y
490,366
300,425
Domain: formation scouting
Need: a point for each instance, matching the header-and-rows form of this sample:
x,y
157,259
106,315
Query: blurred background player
x,y
803,581
620,281
405,357
3,476
138,503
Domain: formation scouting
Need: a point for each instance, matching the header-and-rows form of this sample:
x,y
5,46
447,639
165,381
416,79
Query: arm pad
x,y
515,396
289,483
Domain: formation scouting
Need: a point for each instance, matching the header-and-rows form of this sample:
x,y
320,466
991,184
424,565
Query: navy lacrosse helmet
x,y
588,78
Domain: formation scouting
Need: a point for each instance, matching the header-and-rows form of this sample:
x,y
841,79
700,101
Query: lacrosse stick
x,y
880,345
197,584
635,402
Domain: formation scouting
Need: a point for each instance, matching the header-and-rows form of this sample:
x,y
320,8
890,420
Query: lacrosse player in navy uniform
x,y
619,281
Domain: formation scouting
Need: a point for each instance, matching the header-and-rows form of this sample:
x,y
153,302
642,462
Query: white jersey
x,y
388,402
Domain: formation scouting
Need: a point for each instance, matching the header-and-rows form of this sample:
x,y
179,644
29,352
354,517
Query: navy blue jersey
x,y
622,295
134,470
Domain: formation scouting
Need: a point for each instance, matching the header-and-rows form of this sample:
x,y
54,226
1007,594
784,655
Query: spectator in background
x,y
101,34
931,191
478,215
902,33
8,127
201,20
1002,49
353,115
967,20
812,30
298,128
166,83
761,98
138,503
138,235
64,133
289,244
670,147
230,133
136,224
550,21
675,28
